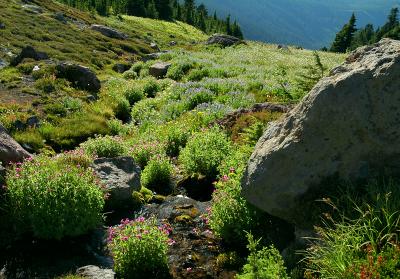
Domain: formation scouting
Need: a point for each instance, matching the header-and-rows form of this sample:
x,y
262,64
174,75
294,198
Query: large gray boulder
x,y
29,52
346,128
95,272
121,177
10,150
80,76
109,32
223,40
159,69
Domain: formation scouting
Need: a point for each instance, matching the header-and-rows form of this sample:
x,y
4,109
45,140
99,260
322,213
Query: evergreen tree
x,y
228,25
151,10
164,9
391,23
236,31
136,7
344,38
189,11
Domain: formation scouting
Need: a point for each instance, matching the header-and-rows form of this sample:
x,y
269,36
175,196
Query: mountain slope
x,y
309,23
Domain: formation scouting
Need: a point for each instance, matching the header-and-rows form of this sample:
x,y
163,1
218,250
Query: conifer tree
x,y
344,38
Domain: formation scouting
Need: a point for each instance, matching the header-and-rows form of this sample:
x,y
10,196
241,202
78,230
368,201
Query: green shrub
x,y
143,151
122,109
150,87
130,74
105,146
198,74
178,70
157,174
46,84
77,157
53,200
117,128
266,263
364,246
176,139
139,249
30,137
204,152
134,94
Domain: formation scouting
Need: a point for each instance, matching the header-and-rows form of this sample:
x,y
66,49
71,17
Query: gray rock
x,y
10,150
155,47
283,47
2,25
29,52
33,121
121,177
347,127
80,76
95,272
121,67
159,69
172,43
223,40
60,16
3,64
33,8
109,32
153,56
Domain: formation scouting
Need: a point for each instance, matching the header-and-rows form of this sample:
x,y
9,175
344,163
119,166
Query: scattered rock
x,y
60,16
121,177
223,40
3,64
80,76
155,47
36,68
172,43
347,128
95,272
2,25
33,8
10,150
19,125
121,68
91,98
283,47
153,56
109,32
29,52
33,122
159,69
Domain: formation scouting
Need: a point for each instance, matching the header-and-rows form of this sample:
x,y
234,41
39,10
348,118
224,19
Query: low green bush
x,y
266,263
53,200
117,127
204,152
143,151
30,137
150,87
157,174
139,249
178,70
105,146
176,137
134,94
122,109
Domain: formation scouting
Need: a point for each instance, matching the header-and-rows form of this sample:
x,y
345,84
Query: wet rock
x,y
109,32
121,67
223,40
95,272
29,52
159,69
80,76
10,150
121,177
346,128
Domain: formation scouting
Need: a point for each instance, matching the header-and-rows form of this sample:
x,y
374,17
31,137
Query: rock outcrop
x,y
95,272
10,150
29,52
223,40
347,128
159,69
109,32
80,76
121,177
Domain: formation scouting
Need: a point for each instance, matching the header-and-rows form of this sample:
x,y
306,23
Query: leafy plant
x,y
266,263
204,152
105,146
53,200
139,248
157,174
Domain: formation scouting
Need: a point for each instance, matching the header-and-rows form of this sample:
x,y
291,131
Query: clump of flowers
x,y
139,248
143,151
53,200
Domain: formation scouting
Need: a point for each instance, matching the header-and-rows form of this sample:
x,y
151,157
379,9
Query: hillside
x,y
309,23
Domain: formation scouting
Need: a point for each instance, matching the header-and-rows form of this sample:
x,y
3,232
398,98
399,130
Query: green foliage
x,y
363,246
105,146
150,87
205,152
157,174
134,94
266,263
176,139
117,128
122,109
178,70
143,151
53,200
312,74
30,137
343,39
139,249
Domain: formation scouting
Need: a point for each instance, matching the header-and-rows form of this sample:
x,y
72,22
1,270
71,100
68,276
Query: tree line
x,y
186,11
350,38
